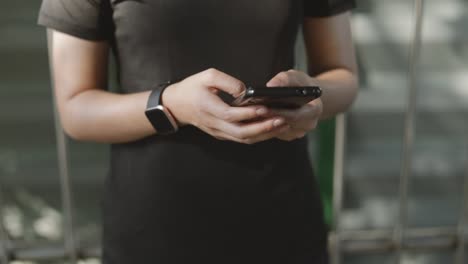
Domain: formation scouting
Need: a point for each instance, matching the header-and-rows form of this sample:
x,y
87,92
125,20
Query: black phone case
x,y
275,97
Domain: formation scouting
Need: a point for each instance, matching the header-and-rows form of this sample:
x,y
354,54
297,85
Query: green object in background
x,y
326,147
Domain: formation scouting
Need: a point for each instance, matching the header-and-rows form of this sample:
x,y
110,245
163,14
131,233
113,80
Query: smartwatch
x,y
159,115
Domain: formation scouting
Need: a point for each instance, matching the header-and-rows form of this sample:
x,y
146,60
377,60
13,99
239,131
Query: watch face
x,y
160,121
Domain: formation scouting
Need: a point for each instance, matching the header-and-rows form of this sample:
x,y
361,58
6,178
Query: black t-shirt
x,y
188,197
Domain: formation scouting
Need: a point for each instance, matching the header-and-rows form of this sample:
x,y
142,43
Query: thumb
x,y
278,80
213,78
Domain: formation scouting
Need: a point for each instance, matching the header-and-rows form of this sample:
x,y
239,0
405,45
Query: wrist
x,y
318,103
157,114
169,99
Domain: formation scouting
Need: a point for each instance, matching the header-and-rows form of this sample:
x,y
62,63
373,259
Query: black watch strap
x,y
158,115
155,97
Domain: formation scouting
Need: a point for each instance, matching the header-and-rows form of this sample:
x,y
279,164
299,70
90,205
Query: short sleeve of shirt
x,y
324,8
86,19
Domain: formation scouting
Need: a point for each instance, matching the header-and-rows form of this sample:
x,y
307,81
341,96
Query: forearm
x,y
101,116
339,90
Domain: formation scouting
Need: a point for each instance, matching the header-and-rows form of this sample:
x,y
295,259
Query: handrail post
x,y
408,140
64,173
460,252
339,156
4,241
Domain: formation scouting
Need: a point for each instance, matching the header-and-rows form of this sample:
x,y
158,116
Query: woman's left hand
x,y
301,120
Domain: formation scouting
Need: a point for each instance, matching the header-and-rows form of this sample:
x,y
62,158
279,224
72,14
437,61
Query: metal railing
x,y
395,240
461,229
401,238
64,173
4,241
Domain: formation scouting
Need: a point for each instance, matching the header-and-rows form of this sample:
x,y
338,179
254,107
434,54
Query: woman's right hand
x,y
195,101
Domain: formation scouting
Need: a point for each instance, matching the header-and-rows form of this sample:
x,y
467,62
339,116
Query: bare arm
x,y
89,112
331,60
331,65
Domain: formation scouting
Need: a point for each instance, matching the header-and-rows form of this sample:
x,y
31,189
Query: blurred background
x,y
399,175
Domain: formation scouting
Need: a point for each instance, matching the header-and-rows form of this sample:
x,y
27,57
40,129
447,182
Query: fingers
x,y
302,119
247,132
251,132
307,111
222,81
220,110
259,138
289,115
225,122
268,135
239,114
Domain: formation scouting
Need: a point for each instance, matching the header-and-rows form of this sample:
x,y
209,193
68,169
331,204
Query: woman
x,y
233,184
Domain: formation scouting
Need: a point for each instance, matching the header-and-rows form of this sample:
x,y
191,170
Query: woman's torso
x,y
184,194
157,41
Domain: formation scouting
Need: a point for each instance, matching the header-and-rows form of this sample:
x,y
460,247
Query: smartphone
x,y
274,97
